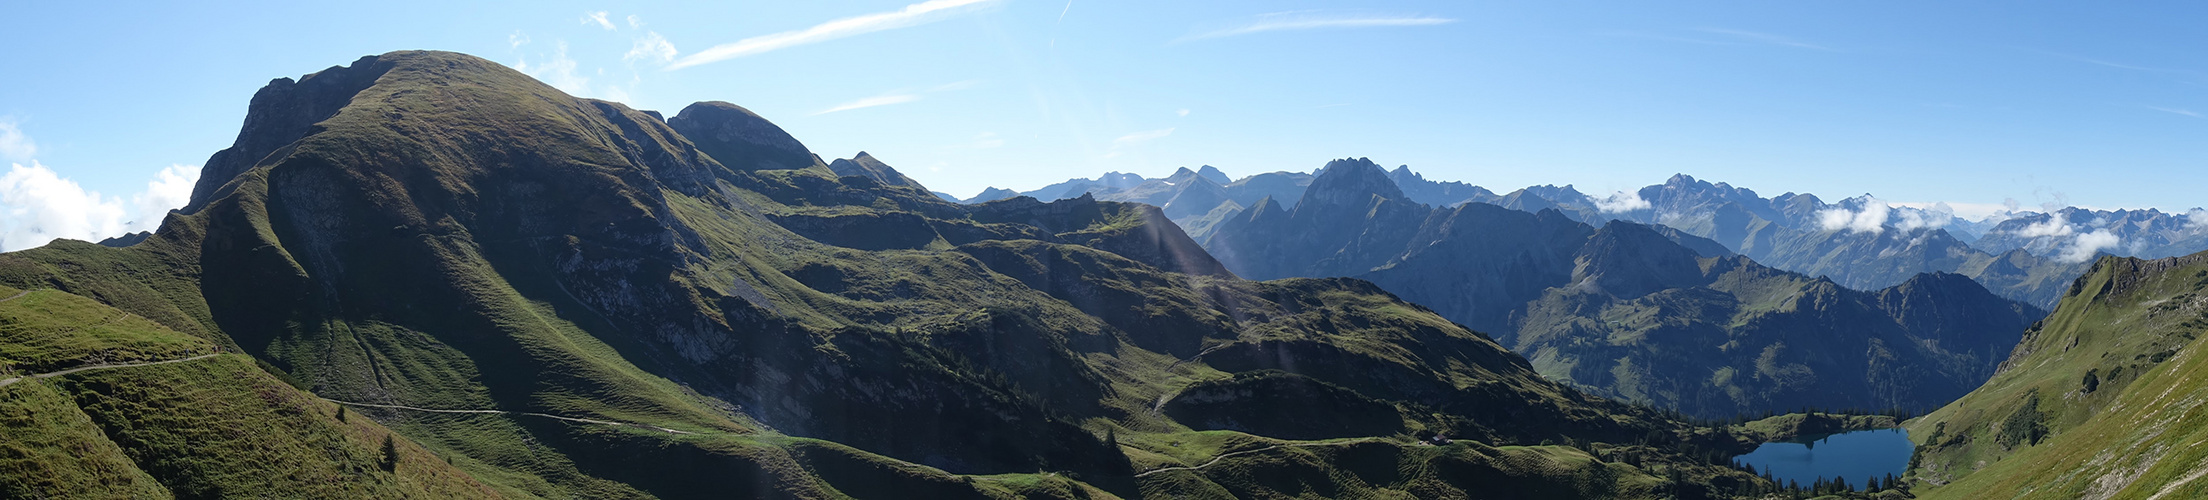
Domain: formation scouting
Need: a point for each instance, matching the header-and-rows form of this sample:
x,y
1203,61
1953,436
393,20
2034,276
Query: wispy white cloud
x,y
1181,112
1909,219
559,72
2118,65
1766,38
171,188
2176,111
13,144
986,140
1121,145
38,205
635,22
1061,21
958,85
650,47
1870,219
880,100
1622,201
517,39
911,15
1315,19
1968,211
900,96
2052,227
1661,37
598,18
2199,218
2088,244
1142,137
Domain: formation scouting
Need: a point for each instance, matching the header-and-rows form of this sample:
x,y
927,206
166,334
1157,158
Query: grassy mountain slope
x,y
211,427
455,235
2100,400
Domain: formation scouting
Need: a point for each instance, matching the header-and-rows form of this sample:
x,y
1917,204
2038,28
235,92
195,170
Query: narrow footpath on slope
x,y
524,413
6,382
110,366
1223,456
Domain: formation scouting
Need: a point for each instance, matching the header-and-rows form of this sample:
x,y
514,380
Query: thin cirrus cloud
x,y
597,18
1142,137
912,15
650,47
1767,39
1315,19
1125,142
898,97
2175,111
880,100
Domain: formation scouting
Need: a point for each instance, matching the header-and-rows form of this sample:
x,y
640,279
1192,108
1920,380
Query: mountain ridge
x,y
1626,309
461,236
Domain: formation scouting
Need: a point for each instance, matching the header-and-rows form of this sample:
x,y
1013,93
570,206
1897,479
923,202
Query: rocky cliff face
x,y
284,111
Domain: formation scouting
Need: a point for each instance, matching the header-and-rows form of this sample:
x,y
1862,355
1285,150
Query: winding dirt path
x,y
504,412
6,382
1159,405
12,380
1224,456
2180,483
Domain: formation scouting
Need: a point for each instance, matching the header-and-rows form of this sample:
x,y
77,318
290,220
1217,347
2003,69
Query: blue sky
x,y
1969,103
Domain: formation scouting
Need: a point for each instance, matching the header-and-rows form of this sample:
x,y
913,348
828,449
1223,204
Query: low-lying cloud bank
x,y
38,206
1870,219
1622,201
2085,246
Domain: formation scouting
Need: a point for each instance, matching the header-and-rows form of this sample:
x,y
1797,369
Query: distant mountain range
x,y
1638,312
1860,242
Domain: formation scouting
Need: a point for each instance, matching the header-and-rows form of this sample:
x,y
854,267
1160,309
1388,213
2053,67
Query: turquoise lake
x,y
1855,456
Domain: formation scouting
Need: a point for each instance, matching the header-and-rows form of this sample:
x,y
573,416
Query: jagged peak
x,y
1214,174
1262,208
1351,181
1180,176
